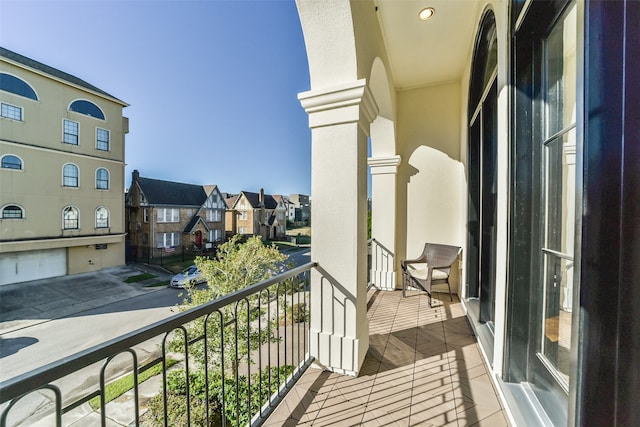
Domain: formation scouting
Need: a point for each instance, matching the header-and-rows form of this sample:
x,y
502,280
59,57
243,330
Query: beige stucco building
x,y
62,175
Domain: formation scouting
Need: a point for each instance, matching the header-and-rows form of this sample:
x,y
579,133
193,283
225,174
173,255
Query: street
x,y
27,344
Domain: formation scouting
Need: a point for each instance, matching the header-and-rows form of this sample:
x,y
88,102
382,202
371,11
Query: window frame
x,y
12,106
98,180
108,217
175,239
9,205
11,168
33,97
65,133
77,177
64,220
99,141
161,215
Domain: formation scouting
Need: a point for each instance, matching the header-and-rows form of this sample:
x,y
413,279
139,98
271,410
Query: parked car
x,y
190,275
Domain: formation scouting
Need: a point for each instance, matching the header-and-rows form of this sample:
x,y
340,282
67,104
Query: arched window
x,y
70,218
102,179
17,86
102,217
12,212
9,161
87,108
70,175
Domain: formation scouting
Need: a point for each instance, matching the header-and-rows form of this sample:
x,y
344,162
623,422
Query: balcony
x,y
423,367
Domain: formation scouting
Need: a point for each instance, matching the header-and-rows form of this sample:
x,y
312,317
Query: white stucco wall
x,y
431,179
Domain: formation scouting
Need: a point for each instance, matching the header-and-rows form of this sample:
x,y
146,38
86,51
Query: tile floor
x,y
423,368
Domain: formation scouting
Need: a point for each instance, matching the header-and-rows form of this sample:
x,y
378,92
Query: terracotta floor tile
x,y
423,368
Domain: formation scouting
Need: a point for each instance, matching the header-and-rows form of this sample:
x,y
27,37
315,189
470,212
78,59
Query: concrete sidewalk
x,y
30,303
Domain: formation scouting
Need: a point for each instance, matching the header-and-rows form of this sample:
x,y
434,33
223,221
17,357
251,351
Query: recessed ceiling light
x,y
426,13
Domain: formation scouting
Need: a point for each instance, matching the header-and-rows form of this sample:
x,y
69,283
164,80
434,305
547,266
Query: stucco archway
x,y
383,165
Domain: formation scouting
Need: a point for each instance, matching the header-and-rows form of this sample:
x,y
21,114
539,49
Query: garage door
x,y
32,265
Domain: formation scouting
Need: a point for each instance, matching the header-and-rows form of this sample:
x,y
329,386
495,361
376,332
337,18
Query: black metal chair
x,y
435,267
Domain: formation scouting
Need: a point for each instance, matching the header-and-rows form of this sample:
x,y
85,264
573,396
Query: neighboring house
x,y
62,173
257,214
300,212
168,217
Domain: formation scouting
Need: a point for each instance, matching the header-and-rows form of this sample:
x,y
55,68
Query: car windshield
x,y
191,270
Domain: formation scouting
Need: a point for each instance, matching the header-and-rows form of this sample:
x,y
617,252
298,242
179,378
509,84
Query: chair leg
x,y
450,294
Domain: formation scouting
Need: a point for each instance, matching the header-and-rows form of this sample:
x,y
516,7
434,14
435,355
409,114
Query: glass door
x,y
554,309
482,167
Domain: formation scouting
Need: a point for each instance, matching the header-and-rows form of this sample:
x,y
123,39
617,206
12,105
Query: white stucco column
x,y
383,221
339,118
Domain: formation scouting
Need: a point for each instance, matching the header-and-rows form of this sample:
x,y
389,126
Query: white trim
x,y
78,135
108,179
78,177
384,165
87,115
65,208
65,153
12,169
108,140
24,212
21,120
26,82
108,217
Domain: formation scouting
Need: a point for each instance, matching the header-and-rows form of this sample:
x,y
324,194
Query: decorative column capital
x,y
384,165
345,103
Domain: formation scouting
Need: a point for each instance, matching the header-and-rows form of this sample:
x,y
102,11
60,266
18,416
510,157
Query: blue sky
x,y
212,85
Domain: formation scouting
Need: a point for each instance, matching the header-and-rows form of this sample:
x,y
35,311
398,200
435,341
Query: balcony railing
x,y
217,338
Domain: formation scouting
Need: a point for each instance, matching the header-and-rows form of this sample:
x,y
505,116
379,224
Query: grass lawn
x,y
122,385
139,277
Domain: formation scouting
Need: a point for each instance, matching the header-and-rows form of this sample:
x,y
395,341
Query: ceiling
x,y
427,52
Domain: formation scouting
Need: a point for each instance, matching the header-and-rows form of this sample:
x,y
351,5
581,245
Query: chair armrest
x,y
420,260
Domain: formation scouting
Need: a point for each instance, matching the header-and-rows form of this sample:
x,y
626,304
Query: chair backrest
x,y
440,256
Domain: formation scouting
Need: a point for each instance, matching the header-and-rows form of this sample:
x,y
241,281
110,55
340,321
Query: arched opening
x,y
482,173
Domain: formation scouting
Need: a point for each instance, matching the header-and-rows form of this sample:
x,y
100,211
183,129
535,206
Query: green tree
x,y
236,266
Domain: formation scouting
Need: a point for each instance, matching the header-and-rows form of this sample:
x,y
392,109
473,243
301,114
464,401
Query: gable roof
x,y
254,200
192,224
39,66
231,201
159,192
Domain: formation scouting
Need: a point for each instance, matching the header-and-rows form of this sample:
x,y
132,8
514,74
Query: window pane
x,y
11,162
558,301
560,173
18,86
102,217
70,215
559,185
70,132
86,107
560,74
12,211
102,179
102,139
11,112
70,178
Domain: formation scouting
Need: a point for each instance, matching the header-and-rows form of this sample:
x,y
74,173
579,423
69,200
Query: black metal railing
x,y
238,356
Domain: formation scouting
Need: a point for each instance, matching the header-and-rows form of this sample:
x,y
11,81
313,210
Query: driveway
x,y
30,303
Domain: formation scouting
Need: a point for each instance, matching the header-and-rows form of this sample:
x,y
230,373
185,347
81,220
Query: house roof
x,y
192,224
231,201
159,192
209,188
39,66
254,200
